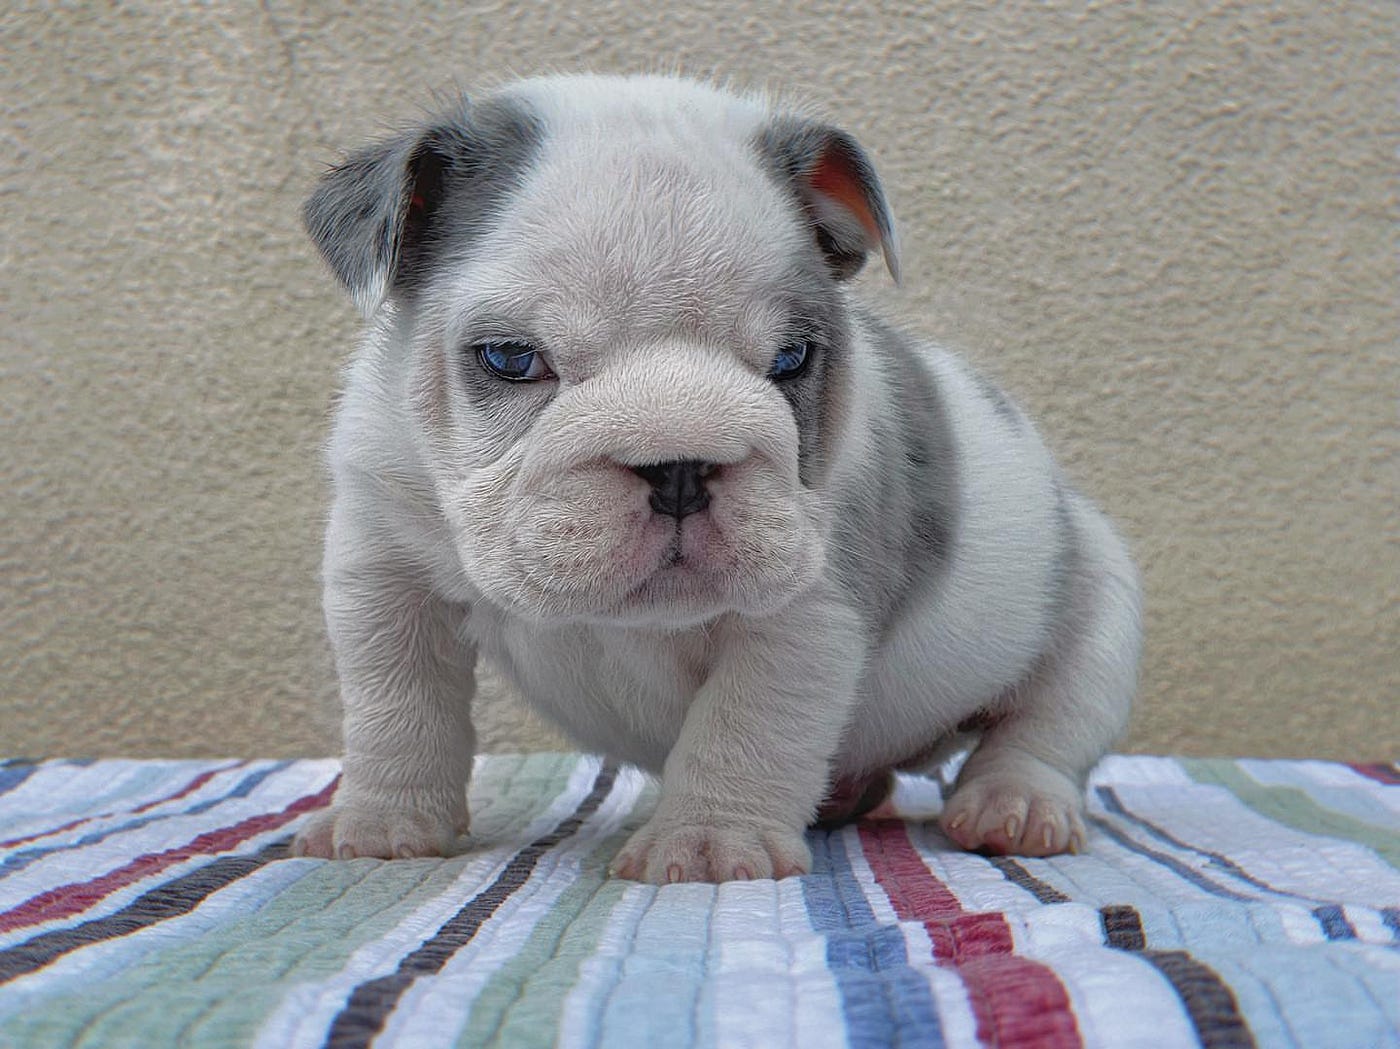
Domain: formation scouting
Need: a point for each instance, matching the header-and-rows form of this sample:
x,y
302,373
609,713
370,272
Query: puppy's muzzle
x,y
677,487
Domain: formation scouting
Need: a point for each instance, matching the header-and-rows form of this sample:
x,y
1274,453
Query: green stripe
x,y
220,987
521,1006
1294,807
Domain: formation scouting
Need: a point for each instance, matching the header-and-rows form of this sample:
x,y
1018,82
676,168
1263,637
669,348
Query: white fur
x,y
645,249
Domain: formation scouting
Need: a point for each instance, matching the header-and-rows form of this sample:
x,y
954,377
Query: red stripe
x,y
190,788
68,900
1016,1001
1380,772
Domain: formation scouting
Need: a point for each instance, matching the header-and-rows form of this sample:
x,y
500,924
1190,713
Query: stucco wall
x,y
1171,235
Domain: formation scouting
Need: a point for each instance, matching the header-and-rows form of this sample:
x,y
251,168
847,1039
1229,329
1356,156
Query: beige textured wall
x,y
1170,234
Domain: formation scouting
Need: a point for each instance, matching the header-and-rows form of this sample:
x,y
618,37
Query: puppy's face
x,y
629,345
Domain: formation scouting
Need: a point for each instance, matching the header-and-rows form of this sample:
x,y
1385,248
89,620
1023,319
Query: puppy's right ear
x,y
838,190
370,216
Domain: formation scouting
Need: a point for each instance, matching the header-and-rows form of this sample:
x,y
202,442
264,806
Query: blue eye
x,y
791,360
515,361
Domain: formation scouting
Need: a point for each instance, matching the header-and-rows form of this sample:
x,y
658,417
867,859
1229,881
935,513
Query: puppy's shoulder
x,y
384,495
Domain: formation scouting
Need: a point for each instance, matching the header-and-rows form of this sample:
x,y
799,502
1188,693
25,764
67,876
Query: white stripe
x,y
1117,770
87,966
305,1014
978,885
1331,786
581,1016
57,793
85,863
1369,924
769,976
1118,997
1213,818
118,811
1299,924
661,996
88,864
916,797
441,1003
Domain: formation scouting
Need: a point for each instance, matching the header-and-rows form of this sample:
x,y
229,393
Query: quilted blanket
x,y
1220,903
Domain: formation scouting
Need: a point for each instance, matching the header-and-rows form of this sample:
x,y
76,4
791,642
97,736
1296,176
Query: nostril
x,y
678,486
653,473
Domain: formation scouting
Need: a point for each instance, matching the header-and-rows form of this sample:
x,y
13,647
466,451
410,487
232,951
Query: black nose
x,y
677,487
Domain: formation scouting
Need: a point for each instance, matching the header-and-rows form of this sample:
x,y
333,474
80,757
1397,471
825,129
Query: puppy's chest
x,y
620,692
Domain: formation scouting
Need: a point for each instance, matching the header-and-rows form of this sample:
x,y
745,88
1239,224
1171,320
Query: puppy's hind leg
x,y
1022,790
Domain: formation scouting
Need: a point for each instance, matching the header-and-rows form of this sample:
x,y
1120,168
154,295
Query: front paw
x,y
1031,813
666,851
346,832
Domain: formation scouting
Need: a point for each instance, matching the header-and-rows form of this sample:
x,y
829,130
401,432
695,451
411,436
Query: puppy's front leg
x,y
406,682
751,764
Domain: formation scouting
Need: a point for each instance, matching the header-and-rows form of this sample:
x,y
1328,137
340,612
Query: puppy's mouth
x,y
689,550
596,544
674,557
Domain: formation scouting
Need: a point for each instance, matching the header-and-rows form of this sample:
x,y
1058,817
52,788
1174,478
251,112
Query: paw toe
x,y
1013,818
666,854
349,833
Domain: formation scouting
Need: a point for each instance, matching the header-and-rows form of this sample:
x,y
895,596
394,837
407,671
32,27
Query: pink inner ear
x,y
834,177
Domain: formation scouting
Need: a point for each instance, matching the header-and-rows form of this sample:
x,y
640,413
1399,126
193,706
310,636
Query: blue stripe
x,y
1391,917
17,861
884,999
1334,922
1114,804
11,776
1174,865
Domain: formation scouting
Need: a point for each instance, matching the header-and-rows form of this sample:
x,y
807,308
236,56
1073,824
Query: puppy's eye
x,y
791,360
515,361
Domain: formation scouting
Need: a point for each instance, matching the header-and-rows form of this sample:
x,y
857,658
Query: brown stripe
x,y
363,1016
1015,873
1122,928
167,900
1209,1002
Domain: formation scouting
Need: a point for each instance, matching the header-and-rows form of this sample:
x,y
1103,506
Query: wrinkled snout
x,y
669,481
671,405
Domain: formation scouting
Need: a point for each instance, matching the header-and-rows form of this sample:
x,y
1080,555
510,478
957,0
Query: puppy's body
x,y
885,550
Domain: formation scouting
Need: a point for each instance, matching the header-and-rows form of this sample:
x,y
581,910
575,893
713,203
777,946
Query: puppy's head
x,y
627,340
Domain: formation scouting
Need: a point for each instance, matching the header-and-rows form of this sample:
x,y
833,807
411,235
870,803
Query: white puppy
x,y
619,426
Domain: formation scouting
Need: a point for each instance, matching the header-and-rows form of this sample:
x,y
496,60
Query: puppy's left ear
x,y
838,189
369,215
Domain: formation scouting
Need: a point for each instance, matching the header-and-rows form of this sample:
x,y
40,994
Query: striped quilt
x,y
1220,903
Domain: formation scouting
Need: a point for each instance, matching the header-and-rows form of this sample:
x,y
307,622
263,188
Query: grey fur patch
x,y
1061,582
790,148
819,317
384,217
898,530
996,396
356,210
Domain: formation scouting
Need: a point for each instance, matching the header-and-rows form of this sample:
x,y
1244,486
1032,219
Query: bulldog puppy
x,y
619,425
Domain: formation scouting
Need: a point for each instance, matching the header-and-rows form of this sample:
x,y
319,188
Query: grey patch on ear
x,y
354,215
791,148
898,529
379,218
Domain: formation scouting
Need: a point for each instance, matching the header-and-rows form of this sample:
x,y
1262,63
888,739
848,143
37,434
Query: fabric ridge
x,y
1220,903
